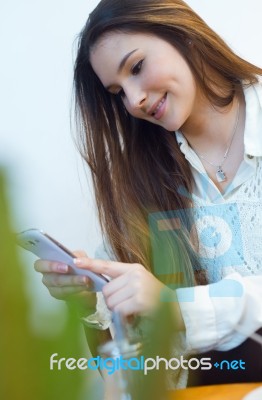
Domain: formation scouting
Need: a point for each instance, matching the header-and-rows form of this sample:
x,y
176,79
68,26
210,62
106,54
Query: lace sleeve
x,y
102,318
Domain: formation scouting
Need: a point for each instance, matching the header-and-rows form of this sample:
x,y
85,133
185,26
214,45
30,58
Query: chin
x,y
171,127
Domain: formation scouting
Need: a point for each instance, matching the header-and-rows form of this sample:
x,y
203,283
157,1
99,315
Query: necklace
x,y
220,173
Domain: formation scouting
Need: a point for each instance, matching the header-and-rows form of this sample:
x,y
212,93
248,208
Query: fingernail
x,y
78,261
61,268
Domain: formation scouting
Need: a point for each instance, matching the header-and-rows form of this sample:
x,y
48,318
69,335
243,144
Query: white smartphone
x,y
47,248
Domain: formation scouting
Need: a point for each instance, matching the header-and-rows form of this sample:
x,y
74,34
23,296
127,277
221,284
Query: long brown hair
x,y
137,167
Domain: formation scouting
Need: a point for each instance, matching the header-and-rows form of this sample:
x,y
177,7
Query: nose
x,y
136,97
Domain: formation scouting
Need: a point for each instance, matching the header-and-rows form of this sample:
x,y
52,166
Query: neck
x,y
212,128
219,142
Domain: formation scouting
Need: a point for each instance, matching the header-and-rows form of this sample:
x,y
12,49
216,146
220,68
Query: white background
x,y
48,187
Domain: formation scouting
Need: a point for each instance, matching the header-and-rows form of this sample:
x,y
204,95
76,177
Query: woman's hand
x,y
64,286
132,290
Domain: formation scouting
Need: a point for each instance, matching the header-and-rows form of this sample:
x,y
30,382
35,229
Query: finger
x,y
62,293
132,279
80,253
55,266
51,279
45,266
126,308
119,297
110,268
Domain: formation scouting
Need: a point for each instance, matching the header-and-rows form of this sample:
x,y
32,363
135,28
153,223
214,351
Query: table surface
x,y
234,391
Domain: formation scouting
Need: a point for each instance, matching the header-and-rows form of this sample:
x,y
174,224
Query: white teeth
x,y
159,105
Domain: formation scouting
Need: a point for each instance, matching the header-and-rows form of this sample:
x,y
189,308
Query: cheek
x,y
156,78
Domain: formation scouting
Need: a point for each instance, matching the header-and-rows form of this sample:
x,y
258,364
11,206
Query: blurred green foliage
x,y
24,357
159,341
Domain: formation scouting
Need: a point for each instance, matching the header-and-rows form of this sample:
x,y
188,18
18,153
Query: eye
x,y
137,67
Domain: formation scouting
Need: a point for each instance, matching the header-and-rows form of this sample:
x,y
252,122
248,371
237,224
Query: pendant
x,y
220,174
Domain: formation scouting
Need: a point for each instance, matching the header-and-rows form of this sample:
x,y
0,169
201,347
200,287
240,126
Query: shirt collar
x,y
253,124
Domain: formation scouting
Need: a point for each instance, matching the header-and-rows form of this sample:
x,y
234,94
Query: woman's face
x,y
152,78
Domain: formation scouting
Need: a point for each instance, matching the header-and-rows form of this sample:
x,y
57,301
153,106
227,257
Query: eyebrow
x,y
124,60
122,64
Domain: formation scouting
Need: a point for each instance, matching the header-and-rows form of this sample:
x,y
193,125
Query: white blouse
x,y
222,314
225,312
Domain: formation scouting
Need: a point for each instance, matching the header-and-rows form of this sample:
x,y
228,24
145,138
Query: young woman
x,y
171,127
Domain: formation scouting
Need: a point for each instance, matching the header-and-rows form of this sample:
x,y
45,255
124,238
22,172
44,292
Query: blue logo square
x,y
214,231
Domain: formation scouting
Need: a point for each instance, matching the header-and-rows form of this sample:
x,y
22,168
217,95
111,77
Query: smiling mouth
x,y
158,111
159,105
